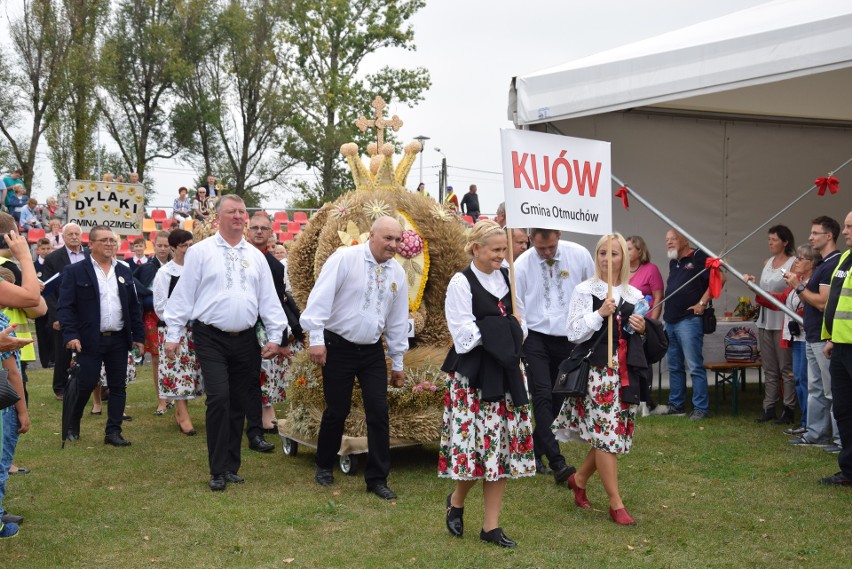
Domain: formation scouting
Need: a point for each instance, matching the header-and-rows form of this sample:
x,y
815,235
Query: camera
x,y
794,328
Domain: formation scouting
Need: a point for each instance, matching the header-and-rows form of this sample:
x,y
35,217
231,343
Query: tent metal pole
x,y
772,300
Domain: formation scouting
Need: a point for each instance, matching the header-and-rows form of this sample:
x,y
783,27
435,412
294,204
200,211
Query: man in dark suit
x,y
101,321
43,329
211,187
71,253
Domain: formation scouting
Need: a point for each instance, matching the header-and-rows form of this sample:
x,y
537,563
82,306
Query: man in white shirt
x,y
361,293
225,287
101,320
545,277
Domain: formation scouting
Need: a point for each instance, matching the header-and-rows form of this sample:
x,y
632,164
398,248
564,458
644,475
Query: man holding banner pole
x,y
545,277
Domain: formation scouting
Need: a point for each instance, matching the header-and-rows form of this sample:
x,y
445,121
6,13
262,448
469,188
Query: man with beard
x,y
682,315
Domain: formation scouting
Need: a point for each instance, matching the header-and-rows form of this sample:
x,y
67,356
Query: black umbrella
x,y
69,398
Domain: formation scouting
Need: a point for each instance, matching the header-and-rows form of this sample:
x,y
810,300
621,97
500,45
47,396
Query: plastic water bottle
x,y
643,307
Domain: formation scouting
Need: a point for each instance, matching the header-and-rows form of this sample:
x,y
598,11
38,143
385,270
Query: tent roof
x,y
732,65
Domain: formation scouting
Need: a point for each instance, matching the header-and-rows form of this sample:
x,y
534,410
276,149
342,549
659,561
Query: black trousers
x,y
61,361
543,355
345,361
112,353
46,342
840,368
231,367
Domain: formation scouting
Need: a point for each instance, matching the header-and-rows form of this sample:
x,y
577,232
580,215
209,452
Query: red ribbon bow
x,y
715,276
829,183
622,193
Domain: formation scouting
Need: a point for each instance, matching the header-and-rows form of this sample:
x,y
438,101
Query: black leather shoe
x,y
497,537
232,478
541,468
116,440
562,473
72,436
217,483
324,477
126,418
455,518
8,518
768,415
383,492
259,444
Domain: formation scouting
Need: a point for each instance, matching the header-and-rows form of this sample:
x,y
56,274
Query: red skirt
x,y
149,320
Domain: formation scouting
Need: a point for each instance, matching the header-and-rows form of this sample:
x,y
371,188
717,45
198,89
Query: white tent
x,y
719,124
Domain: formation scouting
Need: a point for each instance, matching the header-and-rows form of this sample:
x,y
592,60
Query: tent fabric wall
x,y
718,179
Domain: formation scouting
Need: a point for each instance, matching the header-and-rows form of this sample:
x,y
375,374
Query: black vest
x,y
484,370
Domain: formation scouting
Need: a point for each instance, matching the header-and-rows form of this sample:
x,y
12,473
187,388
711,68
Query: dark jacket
x,y
144,277
53,265
80,307
638,370
494,366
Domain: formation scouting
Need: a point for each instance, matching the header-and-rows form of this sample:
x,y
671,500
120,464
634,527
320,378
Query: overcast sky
x,y
472,49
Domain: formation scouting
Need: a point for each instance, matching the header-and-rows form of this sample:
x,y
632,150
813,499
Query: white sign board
x,y
117,205
557,182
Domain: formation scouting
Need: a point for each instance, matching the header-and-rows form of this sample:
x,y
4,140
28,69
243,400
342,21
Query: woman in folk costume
x,y
605,416
487,432
180,378
451,200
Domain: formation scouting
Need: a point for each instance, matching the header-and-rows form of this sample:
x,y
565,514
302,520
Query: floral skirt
x,y
149,321
600,417
131,371
274,375
481,440
179,378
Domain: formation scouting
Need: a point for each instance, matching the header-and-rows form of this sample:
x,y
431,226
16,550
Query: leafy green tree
x,y
328,41
71,137
139,64
34,88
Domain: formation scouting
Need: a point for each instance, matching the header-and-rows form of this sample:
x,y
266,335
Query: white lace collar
x,y
598,288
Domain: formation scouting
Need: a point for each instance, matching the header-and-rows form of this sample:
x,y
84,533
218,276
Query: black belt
x,y
110,332
333,339
222,332
547,335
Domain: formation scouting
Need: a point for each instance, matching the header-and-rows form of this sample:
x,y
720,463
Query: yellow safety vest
x,y
841,328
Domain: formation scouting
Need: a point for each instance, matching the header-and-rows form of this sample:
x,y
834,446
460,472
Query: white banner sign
x,y
557,182
118,205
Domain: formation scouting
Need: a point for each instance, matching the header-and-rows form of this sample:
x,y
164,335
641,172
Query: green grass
x,y
720,493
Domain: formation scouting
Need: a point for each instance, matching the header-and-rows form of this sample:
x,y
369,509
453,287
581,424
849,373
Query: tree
x,y
233,116
35,87
329,40
195,112
139,64
70,137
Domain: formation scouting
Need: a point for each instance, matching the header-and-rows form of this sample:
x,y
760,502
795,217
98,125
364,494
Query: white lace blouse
x,y
458,307
583,320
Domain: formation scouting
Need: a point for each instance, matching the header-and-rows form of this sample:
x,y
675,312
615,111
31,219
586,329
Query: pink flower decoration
x,y
412,244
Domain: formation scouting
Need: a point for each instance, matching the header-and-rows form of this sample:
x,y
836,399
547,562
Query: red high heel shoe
x,y
621,517
579,494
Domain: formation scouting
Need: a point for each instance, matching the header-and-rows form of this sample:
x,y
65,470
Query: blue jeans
x,y
800,373
686,339
821,425
10,441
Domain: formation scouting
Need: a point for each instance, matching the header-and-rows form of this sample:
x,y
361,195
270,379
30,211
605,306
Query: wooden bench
x,y
733,373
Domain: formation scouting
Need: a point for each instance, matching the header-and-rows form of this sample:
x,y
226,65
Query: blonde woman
x,y
487,432
605,417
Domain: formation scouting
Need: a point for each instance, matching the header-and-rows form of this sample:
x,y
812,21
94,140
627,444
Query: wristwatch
x,y
800,289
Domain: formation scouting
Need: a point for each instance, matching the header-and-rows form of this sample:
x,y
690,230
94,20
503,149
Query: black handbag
x,y
573,377
8,395
708,319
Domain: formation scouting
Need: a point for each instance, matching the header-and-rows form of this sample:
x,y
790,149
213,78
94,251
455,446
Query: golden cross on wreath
x,y
379,123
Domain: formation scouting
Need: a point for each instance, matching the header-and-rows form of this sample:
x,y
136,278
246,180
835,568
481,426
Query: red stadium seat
x,y
294,227
281,217
34,234
300,217
468,219
285,236
276,227
159,215
84,238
